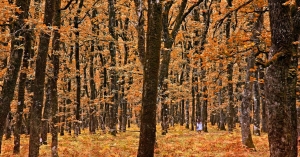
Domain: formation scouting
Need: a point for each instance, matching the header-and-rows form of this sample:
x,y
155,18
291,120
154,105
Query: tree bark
x,y
53,81
246,104
150,82
77,65
11,74
22,81
36,108
113,74
280,84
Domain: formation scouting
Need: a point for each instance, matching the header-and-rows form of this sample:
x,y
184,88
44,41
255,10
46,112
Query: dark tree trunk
x,y
8,126
187,114
77,65
230,108
280,81
46,114
139,5
150,82
256,106
181,114
113,109
194,90
21,90
53,81
264,118
221,121
36,108
11,75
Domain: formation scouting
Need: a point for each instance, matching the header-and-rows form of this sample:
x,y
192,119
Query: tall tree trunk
x,y
46,114
279,83
77,65
230,109
258,25
150,82
93,119
246,103
22,81
264,118
139,5
11,74
256,106
113,74
53,82
36,108
221,121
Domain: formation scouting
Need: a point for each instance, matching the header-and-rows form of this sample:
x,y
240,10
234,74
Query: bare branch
x,y
68,5
220,21
181,16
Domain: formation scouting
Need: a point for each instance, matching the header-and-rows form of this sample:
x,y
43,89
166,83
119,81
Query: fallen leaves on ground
x,y
179,141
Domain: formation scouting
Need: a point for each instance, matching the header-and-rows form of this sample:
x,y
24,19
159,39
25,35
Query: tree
x,y
53,80
150,82
22,79
11,75
279,87
36,108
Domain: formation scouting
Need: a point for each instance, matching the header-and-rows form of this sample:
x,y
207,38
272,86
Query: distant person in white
x,y
199,125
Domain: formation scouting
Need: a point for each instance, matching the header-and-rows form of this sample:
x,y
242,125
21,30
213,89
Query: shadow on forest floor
x,y
178,142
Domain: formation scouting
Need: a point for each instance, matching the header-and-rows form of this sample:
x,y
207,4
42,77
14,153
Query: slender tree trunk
x,y
36,108
220,101
46,114
113,75
264,118
53,82
150,82
256,106
77,65
11,74
21,90
230,108
246,103
139,5
258,25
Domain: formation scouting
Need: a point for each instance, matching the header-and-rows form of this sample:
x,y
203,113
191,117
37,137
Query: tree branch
x,y
67,6
271,61
220,21
181,16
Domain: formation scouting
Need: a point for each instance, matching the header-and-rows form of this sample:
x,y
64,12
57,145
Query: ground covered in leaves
x,y
178,142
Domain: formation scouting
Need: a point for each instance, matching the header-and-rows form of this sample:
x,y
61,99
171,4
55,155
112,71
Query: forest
x,y
136,77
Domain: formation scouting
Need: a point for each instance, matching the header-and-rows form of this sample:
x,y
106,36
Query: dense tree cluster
x,y
68,65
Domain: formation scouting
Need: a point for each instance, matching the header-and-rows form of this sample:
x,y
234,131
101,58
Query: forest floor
x,y
179,142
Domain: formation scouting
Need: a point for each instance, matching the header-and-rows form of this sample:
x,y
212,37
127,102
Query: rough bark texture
x,y
46,114
264,118
279,83
22,80
150,82
113,109
258,25
36,108
221,122
230,107
139,5
11,75
246,103
53,82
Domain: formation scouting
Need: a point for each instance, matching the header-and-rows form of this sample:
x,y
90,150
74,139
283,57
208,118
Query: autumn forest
x,y
149,78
